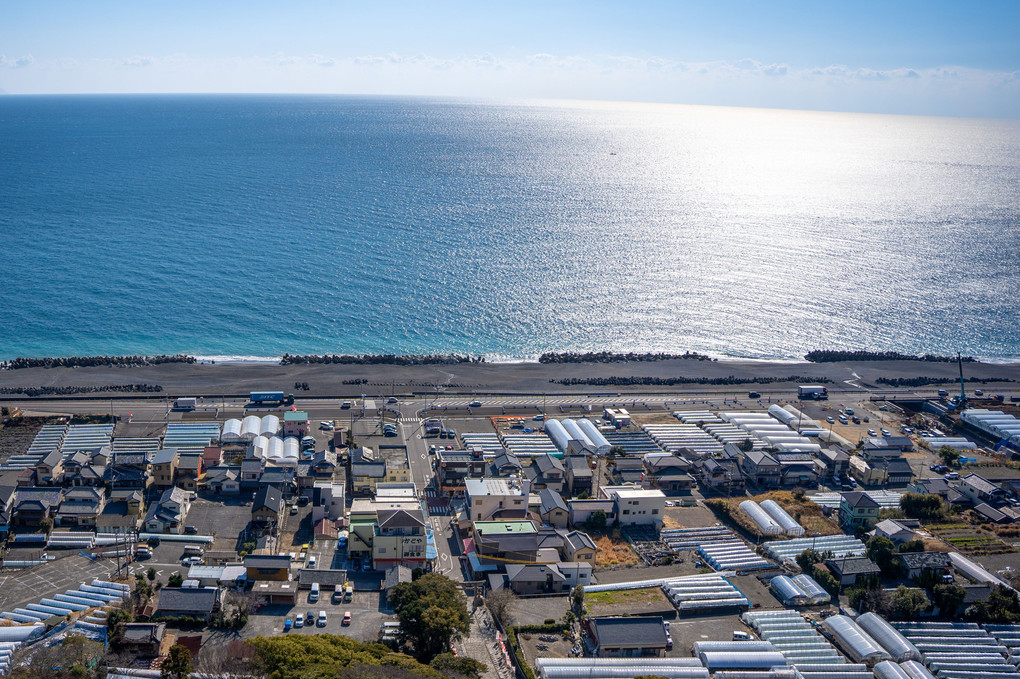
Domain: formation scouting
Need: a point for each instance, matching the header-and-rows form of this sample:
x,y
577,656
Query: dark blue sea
x,y
257,225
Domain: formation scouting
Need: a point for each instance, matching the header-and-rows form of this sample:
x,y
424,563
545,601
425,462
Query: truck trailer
x,y
271,397
812,391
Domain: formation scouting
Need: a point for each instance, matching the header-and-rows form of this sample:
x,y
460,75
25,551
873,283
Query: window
x,y
655,511
626,511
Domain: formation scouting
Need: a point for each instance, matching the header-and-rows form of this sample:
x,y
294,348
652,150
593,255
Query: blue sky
x,y
942,58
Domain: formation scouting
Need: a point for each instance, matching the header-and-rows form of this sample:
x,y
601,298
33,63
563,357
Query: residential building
x,y
578,475
576,573
669,473
453,466
761,469
81,507
914,563
504,542
267,567
857,509
295,423
400,539
979,489
123,511
488,498
895,531
628,637
164,468
189,469
251,471
836,462
397,468
146,639
193,602
848,571
578,547
505,464
637,506
49,469
628,470
797,469
546,471
226,480
720,475
553,510
536,579
267,507
365,475
582,510
33,505
84,468
169,513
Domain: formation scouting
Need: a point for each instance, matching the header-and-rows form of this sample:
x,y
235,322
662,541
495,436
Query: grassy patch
x,y
623,596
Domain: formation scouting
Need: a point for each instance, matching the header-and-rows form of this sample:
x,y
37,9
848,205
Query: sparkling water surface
x,y
258,225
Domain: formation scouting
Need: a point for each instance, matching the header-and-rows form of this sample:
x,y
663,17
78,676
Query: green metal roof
x,y
504,527
295,416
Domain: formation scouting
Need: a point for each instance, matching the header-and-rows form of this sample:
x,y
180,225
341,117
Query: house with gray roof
x,y
637,636
553,509
194,602
169,513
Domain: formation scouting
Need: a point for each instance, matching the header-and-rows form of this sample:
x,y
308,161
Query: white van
x,y
193,550
313,596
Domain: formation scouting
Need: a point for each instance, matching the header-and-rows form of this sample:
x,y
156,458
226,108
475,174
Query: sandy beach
x,y
237,379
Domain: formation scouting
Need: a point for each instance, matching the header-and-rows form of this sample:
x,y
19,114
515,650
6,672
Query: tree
x,y
151,574
177,664
596,521
826,580
175,580
746,446
926,507
617,450
577,600
1002,606
807,560
432,612
458,666
501,603
911,546
869,598
881,550
949,455
949,598
908,602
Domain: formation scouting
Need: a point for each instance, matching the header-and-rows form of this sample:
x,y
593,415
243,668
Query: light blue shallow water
x,y
261,225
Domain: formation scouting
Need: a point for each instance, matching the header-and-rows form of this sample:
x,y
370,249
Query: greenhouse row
x,y
706,595
964,650
734,555
836,545
802,645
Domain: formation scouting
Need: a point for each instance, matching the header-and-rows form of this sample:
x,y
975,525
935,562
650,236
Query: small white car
x,y
299,620
326,426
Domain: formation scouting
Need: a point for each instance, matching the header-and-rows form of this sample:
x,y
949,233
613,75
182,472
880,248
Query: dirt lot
x,y
698,516
545,645
613,552
16,437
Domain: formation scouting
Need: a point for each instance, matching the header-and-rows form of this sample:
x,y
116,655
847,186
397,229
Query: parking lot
x,y
20,587
366,617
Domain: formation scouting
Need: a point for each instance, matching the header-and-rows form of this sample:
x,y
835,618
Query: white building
x,y
496,498
637,506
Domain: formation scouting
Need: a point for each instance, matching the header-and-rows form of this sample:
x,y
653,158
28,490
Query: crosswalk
x,y
409,420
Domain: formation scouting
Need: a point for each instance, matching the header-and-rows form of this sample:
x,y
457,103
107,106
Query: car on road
x,y
830,419
753,394
539,418
978,392
293,510
287,624
475,404
392,399
299,620
347,618
346,405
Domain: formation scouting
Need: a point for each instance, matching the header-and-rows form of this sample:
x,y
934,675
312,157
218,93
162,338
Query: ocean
x,y
258,225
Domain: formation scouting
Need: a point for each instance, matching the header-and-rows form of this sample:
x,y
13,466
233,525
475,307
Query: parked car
x,y
190,530
830,419
539,418
978,392
952,476
886,432
856,420
299,620
287,624
322,619
326,426
347,618
143,553
293,509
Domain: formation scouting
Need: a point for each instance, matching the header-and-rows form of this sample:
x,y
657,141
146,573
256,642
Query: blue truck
x,y
271,398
